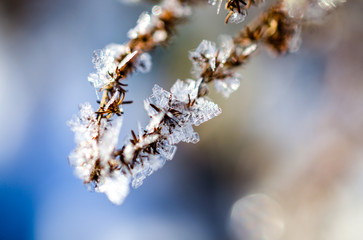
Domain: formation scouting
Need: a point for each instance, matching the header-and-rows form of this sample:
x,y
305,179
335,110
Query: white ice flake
x,y
237,17
85,130
205,52
115,186
185,90
145,24
226,47
143,63
95,146
109,140
181,112
183,133
227,85
226,82
203,111
159,97
166,150
105,62
152,162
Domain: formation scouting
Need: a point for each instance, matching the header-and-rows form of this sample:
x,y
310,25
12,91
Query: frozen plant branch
x,y
172,113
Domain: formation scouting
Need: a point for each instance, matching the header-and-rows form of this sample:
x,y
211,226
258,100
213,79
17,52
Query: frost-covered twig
x,y
172,113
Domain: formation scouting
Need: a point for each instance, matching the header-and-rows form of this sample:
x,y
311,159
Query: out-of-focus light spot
x,y
156,10
257,217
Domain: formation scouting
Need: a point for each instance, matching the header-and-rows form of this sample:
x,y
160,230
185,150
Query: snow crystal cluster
x,y
172,117
106,62
93,156
208,57
85,132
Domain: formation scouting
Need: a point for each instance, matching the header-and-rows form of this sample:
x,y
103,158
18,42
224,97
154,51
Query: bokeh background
x,y
283,160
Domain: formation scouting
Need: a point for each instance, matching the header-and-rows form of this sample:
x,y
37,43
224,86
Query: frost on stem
x,y
209,61
174,113
106,63
93,158
172,117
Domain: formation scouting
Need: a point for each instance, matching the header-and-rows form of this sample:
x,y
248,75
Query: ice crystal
x,y
143,26
203,111
178,108
228,85
173,113
207,55
183,133
205,52
94,152
226,47
166,150
116,187
183,91
109,140
238,17
151,162
105,62
143,63
85,131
